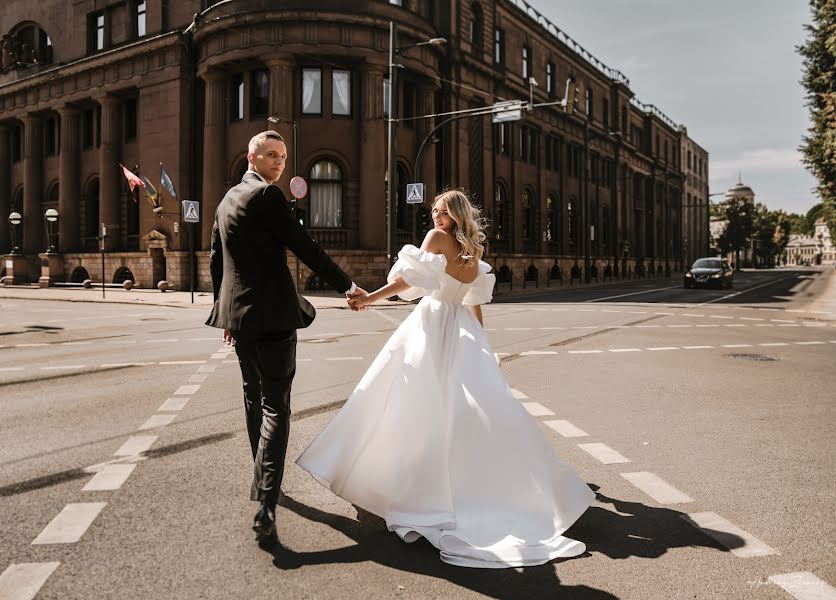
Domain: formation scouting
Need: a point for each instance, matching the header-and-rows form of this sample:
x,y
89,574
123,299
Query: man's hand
x,y
228,339
358,292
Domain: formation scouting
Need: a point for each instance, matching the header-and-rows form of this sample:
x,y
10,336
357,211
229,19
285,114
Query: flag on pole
x,y
165,181
150,191
133,180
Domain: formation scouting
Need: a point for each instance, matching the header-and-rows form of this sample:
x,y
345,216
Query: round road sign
x,y
298,187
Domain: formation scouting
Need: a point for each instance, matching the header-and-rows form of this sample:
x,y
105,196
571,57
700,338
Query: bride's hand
x,y
359,301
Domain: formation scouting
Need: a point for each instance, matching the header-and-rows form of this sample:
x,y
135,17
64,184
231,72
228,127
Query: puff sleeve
x,y
481,290
420,269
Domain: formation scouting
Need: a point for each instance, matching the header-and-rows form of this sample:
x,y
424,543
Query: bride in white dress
x,y
432,440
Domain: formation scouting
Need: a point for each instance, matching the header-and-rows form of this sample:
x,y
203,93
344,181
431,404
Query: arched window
x,y
326,192
501,229
572,215
551,230
477,27
528,214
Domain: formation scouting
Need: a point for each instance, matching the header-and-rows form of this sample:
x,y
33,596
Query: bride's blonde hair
x,y
470,225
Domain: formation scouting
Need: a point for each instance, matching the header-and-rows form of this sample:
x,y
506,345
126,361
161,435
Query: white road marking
x,y
725,532
604,453
550,328
198,378
138,364
62,367
781,321
789,325
157,421
624,349
219,355
136,444
735,325
166,341
206,339
736,345
518,394
678,326
803,585
775,344
657,488
565,428
647,326
537,352
122,342
585,351
75,343
808,343
751,319
691,315
235,362
187,390
518,329
174,404
721,317
707,326
70,524
207,369
658,348
183,362
535,409
23,581
11,369
345,358
111,477
696,347
29,345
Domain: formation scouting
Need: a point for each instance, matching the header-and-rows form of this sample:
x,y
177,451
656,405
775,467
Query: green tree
x,y
768,235
740,227
819,80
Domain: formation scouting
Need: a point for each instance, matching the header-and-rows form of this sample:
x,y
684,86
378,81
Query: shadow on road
x,y
636,530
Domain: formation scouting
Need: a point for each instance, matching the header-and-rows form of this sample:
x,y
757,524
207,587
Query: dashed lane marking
x,y
585,351
697,347
726,533
70,524
23,581
625,350
207,369
537,352
604,453
518,394
187,390
183,362
135,445
809,343
657,488
565,428
660,348
157,421
198,378
535,409
736,345
774,344
803,585
111,477
62,367
174,404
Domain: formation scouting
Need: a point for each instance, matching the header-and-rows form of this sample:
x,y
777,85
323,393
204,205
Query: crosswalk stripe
x,y
157,421
198,378
518,394
111,477
657,488
803,585
136,444
174,404
187,390
70,524
729,535
604,453
23,581
535,409
565,428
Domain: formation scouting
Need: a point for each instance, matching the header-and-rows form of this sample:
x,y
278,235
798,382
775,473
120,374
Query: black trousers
x,y
268,364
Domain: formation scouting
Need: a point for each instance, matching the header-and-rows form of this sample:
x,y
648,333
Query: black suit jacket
x,y
253,287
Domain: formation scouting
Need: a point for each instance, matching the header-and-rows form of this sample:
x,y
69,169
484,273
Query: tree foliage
x,y
819,145
740,217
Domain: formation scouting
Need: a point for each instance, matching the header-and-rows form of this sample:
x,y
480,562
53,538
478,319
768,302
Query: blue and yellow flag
x,y
166,182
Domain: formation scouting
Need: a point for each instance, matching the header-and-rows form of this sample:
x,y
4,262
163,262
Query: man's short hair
x,y
262,137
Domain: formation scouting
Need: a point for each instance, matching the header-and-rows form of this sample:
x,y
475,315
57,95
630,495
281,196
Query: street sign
x,y
298,187
414,193
191,211
509,110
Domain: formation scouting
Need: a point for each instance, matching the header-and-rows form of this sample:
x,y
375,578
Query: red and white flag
x,y
133,180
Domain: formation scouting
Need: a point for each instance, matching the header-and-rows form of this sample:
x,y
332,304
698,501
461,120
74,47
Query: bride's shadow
x,y
635,530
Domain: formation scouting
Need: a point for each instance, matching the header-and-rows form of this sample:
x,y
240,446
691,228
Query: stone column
x,y
281,88
5,189
109,171
33,185
69,191
214,152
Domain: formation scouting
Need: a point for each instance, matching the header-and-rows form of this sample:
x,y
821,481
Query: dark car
x,y
714,272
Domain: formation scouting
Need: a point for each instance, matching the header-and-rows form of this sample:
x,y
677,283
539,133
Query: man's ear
x,y
250,157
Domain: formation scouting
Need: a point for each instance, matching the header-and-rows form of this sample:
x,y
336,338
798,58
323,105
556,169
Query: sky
x,y
726,69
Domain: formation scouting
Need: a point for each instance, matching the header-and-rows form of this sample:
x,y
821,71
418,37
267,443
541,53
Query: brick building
x,y
90,84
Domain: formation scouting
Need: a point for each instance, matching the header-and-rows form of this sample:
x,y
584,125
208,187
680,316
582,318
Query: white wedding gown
x,y
433,441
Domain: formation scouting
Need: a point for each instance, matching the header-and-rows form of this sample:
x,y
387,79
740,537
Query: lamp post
x,y
391,202
51,219
14,229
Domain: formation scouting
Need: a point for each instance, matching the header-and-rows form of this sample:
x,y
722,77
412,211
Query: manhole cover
x,y
755,357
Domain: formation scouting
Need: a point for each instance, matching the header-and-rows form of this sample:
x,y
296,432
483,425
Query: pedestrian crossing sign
x,y
414,193
191,211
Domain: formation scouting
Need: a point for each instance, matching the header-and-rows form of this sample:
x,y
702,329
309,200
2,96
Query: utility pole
x,y
391,201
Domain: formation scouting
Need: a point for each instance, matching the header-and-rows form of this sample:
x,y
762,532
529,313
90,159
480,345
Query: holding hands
x,y
358,300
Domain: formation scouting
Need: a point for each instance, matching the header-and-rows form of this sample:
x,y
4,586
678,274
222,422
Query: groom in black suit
x,y
257,306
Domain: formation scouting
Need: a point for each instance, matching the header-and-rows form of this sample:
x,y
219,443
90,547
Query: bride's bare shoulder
x,y
438,241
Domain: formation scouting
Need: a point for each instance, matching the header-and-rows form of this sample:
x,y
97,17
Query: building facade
x,y
805,250
695,207
89,85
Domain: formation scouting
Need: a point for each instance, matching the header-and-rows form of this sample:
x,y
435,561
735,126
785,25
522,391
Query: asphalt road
x,y
703,419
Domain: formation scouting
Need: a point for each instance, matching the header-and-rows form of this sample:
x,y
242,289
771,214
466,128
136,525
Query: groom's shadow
x,y
634,530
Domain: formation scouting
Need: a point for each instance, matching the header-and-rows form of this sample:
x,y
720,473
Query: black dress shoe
x,y
264,526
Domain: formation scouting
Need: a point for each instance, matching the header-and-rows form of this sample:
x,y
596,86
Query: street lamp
x,y
391,203
14,228
51,217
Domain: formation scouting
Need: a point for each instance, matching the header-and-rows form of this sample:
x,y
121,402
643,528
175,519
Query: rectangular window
x,y
96,38
49,137
526,63
396,2
500,143
498,46
98,126
606,114
589,104
236,97
550,79
88,128
533,147
312,91
259,93
341,92
130,120
140,18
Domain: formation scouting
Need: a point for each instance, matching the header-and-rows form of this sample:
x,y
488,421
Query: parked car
x,y
714,272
